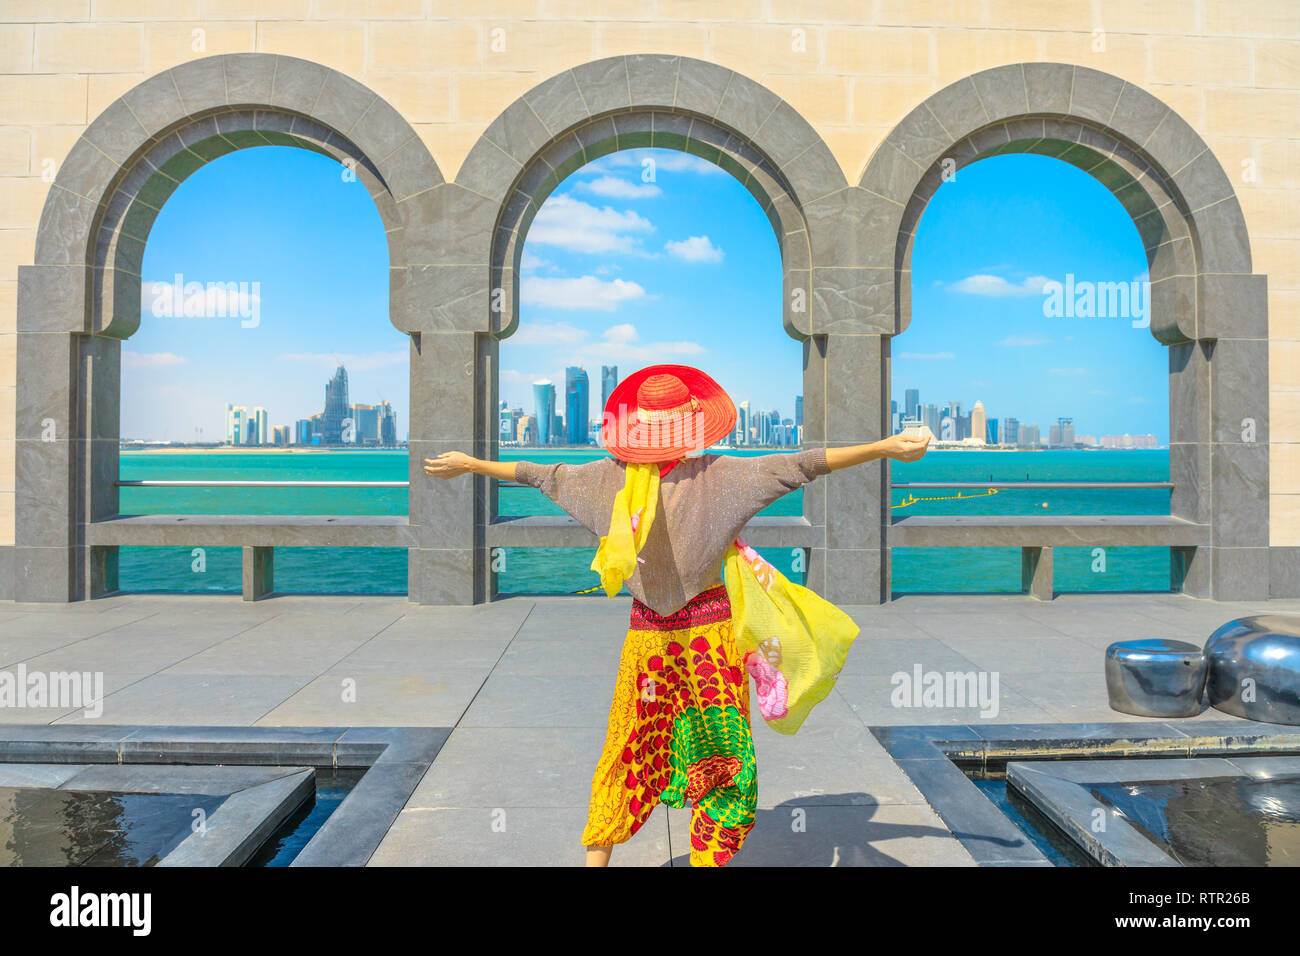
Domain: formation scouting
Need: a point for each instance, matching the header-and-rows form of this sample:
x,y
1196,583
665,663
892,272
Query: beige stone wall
x,y
853,68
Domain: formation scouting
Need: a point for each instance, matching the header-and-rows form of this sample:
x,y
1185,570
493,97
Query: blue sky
x,y
632,264
985,243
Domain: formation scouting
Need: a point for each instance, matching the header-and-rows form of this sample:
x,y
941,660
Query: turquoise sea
x,y
567,570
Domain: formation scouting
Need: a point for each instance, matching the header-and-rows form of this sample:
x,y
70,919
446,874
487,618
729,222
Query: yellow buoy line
x,y
912,499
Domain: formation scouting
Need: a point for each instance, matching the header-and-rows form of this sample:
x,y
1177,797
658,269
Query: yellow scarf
x,y
792,640
629,526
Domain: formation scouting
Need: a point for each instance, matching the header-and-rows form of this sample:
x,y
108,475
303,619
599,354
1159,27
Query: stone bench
x,y
258,535
1036,535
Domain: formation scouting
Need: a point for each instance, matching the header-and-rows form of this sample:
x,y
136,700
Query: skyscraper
x,y
365,424
979,422
912,398
236,417
608,380
387,425
1065,430
576,404
991,432
544,409
1011,432
506,429
336,408
742,423
798,410
261,426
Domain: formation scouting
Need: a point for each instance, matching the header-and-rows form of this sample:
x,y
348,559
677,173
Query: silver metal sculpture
x,y
1255,668
1155,678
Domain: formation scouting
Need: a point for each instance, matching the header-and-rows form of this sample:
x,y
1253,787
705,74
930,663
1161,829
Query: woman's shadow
x,y
828,830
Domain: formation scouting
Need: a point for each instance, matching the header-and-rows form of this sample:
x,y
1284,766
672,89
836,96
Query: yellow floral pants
x,y
678,732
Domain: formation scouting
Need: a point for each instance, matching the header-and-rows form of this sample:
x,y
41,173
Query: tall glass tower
x,y
577,403
544,409
608,380
336,408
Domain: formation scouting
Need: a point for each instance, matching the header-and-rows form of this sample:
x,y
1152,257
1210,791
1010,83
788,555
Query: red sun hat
x,y
665,412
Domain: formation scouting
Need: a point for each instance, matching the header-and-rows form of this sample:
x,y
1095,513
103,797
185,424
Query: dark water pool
x,y
49,827
1214,821
332,785
1040,831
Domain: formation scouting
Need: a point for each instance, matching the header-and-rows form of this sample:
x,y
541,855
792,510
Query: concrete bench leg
x,y
102,573
1189,571
259,573
1036,572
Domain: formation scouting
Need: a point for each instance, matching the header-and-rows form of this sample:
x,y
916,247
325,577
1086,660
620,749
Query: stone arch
x,y
81,296
1206,303
697,107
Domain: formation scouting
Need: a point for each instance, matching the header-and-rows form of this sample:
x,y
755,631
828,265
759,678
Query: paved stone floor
x,y
526,681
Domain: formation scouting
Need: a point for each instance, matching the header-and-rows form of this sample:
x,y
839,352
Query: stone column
x,y
853,391
1239,468
1189,460
45,449
447,515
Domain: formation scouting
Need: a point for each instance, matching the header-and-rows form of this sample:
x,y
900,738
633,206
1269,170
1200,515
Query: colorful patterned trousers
x,y
678,732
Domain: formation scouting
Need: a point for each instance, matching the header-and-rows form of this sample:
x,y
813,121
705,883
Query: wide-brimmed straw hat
x,y
664,412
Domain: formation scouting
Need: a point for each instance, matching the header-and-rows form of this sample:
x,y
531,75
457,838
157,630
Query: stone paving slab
x,y
524,685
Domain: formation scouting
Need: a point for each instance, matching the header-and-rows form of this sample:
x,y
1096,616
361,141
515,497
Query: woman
x,y
679,730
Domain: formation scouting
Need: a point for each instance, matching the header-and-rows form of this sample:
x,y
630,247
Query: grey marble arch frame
x,y
699,108
454,251
81,297
1207,305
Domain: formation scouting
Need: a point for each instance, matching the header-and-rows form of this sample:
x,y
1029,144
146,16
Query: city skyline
x,y
949,425
340,422
545,424
629,269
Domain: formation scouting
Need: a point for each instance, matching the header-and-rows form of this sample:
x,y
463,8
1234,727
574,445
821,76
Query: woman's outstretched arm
x,y
452,463
897,447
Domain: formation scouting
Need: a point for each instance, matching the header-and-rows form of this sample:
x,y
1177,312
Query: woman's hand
x,y
449,464
903,447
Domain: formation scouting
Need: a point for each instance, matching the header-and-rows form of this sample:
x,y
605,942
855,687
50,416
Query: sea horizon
x,y
567,570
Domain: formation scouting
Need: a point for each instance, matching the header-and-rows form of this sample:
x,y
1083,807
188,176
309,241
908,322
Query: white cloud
x,y
586,292
998,287
529,262
366,362
663,161
580,227
1068,371
151,359
694,249
1023,341
612,187
626,332
621,343
927,356
547,333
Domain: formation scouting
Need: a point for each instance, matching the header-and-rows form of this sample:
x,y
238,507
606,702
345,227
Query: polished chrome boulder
x,y
1255,668
1155,678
